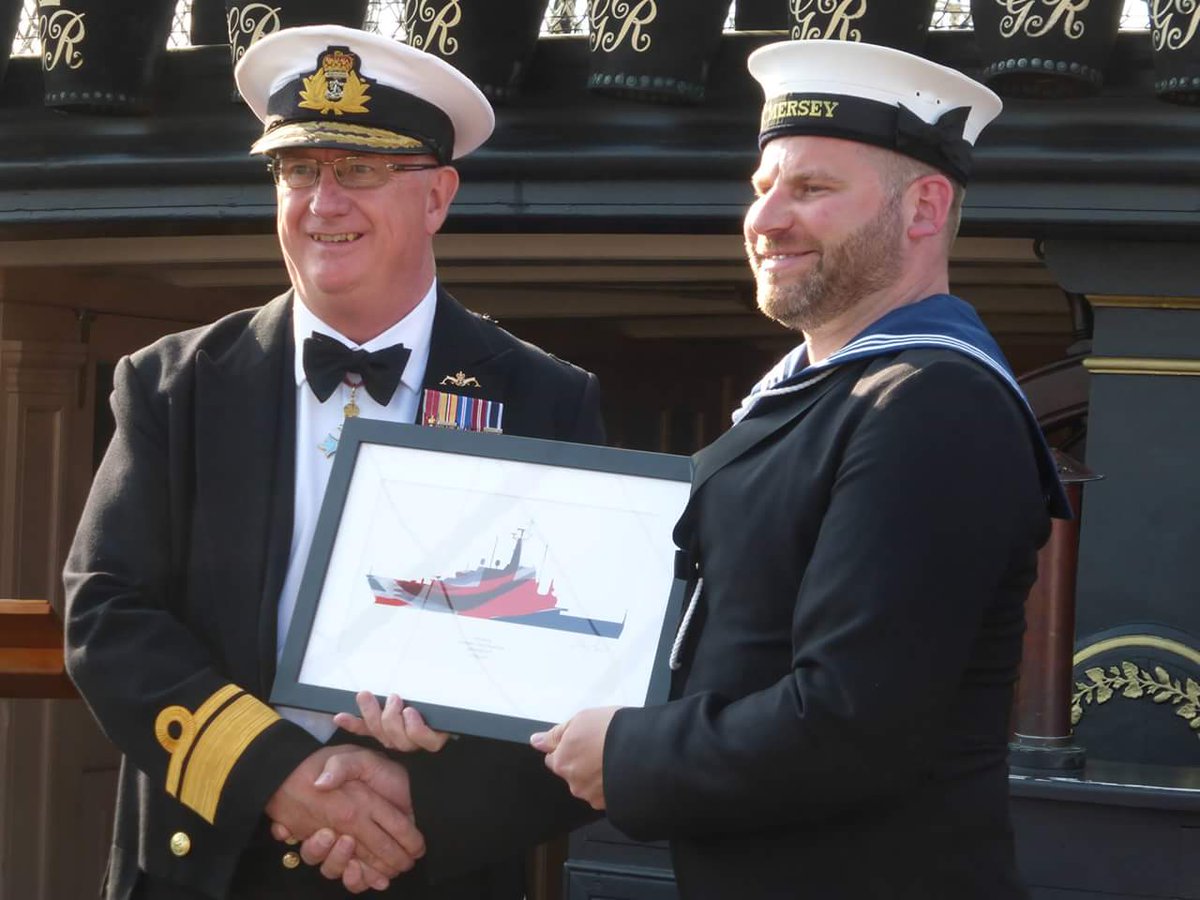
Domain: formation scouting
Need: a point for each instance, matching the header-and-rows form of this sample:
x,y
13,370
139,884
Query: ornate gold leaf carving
x,y
839,18
440,21
1133,682
614,21
1037,19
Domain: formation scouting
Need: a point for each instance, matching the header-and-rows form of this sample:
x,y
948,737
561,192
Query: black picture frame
x,y
448,476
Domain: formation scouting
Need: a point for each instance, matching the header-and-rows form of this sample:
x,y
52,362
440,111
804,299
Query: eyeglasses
x,y
354,172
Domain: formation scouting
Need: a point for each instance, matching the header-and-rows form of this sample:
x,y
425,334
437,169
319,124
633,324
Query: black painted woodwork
x,y
1139,580
1120,832
564,159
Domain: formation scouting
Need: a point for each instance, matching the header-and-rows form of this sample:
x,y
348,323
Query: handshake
x,y
350,808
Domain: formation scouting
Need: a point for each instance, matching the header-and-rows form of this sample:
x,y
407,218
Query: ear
x,y
443,185
930,198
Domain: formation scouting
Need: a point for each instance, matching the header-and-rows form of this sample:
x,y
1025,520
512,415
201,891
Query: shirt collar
x,y
413,331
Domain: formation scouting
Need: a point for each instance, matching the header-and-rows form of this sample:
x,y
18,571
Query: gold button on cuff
x,y
291,842
181,844
291,859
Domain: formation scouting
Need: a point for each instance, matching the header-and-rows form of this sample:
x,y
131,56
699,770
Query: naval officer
x,y
185,568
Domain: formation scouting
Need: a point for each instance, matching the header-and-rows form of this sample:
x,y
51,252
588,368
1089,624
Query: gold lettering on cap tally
x,y
1170,23
782,108
61,33
1039,17
632,17
335,86
838,16
436,22
249,23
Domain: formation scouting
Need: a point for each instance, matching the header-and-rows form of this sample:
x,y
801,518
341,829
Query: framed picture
x,y
499,584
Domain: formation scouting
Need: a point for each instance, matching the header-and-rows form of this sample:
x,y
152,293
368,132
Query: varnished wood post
x,y
1041,723
544,870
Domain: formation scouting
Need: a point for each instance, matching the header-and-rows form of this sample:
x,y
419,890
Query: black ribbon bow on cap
x,y
941,144
327,360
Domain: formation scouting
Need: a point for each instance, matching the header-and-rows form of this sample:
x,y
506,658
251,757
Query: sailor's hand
x,y
575,752
340,855
356,792
395,726
335,855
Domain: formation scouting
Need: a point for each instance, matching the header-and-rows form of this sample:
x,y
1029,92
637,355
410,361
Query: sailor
x,y
861,541
186,564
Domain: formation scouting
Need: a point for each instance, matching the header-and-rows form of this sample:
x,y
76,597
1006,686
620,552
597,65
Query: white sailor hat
x,y
331,86
875,95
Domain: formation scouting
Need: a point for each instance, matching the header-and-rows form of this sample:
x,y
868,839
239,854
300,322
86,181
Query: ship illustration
x,y
499,594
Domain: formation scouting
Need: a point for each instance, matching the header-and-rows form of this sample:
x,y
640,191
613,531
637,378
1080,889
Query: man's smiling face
x,y
345,245
824,230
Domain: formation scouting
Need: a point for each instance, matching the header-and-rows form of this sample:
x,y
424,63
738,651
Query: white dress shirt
x,y
315,421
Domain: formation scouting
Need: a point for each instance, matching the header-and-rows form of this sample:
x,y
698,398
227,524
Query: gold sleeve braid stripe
x,y
188,724
208,744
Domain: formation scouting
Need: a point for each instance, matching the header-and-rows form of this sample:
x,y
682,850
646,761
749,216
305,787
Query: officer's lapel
x,y
245,437
464,358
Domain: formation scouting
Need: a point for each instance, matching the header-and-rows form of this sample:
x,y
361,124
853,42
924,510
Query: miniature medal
x,y
329,444
444,409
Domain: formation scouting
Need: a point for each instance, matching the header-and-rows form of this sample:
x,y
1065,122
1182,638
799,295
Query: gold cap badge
x,y
335,87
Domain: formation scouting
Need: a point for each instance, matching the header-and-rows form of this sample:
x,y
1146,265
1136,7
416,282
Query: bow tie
x,y
326,362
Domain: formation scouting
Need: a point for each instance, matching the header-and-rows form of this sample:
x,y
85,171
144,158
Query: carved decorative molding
x,y
1131,681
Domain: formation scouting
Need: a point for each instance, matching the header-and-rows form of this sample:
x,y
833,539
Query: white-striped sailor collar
x,y
940,321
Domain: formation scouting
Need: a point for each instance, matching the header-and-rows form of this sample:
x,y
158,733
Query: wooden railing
x,y
31,651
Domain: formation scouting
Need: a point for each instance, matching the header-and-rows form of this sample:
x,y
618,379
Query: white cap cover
x,y
331,86
876,95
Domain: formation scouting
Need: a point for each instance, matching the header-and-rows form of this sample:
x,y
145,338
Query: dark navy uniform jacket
x,y
172,585
840,721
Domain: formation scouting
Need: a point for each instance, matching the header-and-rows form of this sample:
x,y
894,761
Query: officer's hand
x,y
362,795
396,726
336,854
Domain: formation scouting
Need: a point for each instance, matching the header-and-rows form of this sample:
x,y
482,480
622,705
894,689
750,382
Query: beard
x,y
866,261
